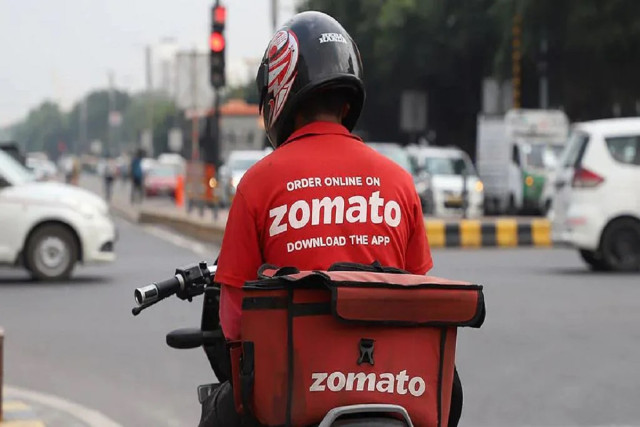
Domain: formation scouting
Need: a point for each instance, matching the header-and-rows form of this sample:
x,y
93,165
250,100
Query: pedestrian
x,y
109,176
75,171
137,177
311,95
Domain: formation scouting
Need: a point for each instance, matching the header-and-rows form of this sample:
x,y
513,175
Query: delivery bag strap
x,y
374,267
269,271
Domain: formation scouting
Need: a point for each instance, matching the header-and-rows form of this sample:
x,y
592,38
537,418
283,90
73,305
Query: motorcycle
x,y
198,279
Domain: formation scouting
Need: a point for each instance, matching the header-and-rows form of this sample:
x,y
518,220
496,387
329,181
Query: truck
x,y
515,155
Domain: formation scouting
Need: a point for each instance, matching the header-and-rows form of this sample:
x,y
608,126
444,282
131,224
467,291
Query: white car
x,y
596,208
48,227
446,166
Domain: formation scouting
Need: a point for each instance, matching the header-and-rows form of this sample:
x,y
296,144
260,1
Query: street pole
x,y
516,56
112,102
82,127
194,101
542,66
149,79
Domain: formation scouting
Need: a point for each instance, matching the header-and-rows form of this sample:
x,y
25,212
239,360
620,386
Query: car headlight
x,y
479,186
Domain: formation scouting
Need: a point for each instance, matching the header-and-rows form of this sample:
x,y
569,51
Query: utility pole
x,y
195,138
542,69
82,127
516,57
149,106
112,106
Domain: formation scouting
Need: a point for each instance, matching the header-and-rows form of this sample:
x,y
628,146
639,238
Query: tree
x,y
443,48
247,92
154,110
594,54
43,129
97,118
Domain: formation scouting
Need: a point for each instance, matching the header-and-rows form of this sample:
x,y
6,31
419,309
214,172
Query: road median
x,y
465,233
494,232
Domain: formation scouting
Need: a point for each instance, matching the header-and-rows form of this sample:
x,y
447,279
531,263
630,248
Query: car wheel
x,y
593,259
621,245
51,252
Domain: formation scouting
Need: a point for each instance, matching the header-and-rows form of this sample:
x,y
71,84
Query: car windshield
x,y
398,155
447,166
163,172
12,171
242,164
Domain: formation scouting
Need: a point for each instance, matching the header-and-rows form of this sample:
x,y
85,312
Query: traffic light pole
x,y
215,130
217,63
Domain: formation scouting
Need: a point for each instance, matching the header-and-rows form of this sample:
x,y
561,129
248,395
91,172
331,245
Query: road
x,y
80,341
559,347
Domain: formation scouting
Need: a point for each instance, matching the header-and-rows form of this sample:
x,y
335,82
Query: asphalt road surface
x,y
560,346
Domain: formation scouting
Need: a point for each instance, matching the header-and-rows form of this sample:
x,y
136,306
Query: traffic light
x,y
216,46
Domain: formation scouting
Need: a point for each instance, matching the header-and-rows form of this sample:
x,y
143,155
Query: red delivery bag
x,y
316,340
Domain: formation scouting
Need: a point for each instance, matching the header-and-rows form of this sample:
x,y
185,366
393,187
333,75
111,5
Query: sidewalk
x,y
206,227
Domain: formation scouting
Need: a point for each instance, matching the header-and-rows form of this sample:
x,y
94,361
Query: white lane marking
x,y
89,416
179,240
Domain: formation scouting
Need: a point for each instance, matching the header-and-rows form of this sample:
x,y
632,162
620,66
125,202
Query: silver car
x,y
231,172
422,180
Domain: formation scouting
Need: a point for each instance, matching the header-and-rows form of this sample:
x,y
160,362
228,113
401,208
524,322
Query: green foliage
x,y
247,92
42,130
46,125
447,47
442,47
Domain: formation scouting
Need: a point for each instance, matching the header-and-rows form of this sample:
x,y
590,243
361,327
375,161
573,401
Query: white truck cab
x,y
515,155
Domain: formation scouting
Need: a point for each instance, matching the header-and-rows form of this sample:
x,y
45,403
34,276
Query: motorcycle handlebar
x,y
159,290
184,283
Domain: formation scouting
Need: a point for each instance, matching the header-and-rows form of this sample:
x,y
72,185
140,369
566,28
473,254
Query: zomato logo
x,y
301,213
384,383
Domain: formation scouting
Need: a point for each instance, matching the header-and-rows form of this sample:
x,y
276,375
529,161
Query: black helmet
x,y
310,53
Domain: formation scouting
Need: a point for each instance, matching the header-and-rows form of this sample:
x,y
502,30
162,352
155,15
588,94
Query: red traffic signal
x,y
219,15
216,42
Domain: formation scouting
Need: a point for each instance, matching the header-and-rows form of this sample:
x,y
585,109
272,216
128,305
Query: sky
x,y
61,49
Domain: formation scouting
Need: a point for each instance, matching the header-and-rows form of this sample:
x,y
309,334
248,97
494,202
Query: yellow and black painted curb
x,y
16,413
507,232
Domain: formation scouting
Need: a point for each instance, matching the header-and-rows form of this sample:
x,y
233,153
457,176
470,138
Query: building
x,y
241,127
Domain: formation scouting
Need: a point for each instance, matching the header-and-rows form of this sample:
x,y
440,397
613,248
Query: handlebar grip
x,y
157,291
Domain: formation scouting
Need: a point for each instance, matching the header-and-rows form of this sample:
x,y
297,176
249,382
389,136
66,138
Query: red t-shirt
x,y
320,198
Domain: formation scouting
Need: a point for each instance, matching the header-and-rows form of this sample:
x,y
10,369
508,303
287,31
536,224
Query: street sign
x,y
175,140
413,111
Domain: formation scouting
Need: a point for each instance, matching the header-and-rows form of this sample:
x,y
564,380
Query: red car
x,y
161,180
